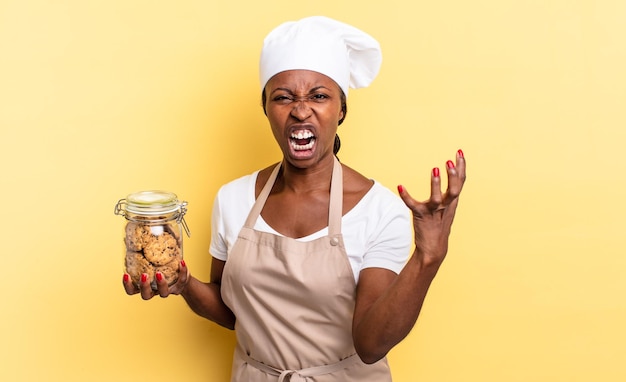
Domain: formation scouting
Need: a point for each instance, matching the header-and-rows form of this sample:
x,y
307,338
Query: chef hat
x,y
340,51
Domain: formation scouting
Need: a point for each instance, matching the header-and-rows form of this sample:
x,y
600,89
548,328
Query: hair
x,y
344,109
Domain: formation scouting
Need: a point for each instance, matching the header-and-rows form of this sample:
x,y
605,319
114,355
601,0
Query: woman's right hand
x,y
163,290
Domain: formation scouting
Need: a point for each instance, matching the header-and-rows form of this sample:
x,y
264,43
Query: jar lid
x,y
152,202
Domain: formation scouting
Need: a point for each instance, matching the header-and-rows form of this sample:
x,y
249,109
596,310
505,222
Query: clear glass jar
x,y
153,234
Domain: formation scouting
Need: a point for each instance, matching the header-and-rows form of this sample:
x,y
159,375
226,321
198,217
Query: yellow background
x,y
102,98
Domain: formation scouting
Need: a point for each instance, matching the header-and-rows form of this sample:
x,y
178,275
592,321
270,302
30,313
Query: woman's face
x,y
303,108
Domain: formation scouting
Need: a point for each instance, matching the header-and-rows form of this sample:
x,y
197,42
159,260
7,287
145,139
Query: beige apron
x,y
294,303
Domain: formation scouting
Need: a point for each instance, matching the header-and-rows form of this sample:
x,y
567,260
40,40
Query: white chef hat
x,y
340,51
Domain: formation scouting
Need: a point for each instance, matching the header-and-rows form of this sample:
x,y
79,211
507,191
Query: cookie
x,y
174,229
136,236
136,264
169,271
162,249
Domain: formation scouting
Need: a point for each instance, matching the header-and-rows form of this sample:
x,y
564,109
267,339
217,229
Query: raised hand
x,y
432,219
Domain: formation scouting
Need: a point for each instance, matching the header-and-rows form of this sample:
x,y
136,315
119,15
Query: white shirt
x,y
376,232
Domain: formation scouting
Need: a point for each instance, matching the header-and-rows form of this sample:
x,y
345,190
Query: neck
x,y
314,178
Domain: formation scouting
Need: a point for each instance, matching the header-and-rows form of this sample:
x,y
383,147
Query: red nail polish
x,y
182,263
159,276
126,277
400,189
460,152
450,164
144,277
436,172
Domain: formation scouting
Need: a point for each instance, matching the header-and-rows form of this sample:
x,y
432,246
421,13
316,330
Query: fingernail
x,y
159,276
144,277
436,172
182,263
126,277
460,152
450,164
400,189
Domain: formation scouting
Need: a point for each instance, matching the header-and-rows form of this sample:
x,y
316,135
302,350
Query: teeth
x,y
306,134
302,135
308,146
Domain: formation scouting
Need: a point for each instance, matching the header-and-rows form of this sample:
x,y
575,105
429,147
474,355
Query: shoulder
x,y
230,207
380,229
369,191
237,186
354,181
242,191
239,191
381,201
261,178
355,187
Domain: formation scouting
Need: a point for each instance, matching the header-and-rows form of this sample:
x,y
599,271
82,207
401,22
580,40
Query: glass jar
x,y
153,235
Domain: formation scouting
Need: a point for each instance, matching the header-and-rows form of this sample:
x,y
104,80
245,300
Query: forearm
x,y
206,301
391,317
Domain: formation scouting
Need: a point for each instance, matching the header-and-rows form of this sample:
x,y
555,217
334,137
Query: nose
x,y
301,110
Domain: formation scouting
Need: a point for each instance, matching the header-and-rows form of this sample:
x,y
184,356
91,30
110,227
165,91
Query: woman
x,y
309,256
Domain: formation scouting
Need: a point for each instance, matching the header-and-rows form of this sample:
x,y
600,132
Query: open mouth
x,y
302,140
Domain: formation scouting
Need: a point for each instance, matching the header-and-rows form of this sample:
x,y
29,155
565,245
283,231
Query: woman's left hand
x,y
432,219
387,305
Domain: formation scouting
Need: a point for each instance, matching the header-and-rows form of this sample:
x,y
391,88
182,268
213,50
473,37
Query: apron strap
x,y
335,209
301,375
260,201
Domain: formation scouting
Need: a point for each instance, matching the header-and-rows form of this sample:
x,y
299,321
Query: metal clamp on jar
x,y
153,234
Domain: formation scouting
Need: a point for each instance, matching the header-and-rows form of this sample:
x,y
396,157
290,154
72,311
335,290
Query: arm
x,y
203,298
388,305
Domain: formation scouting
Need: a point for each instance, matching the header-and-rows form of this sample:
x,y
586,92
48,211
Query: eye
x,y
319,97
283,99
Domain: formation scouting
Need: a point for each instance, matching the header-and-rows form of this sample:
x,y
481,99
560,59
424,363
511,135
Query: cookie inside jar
x,y
151,249
152,235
